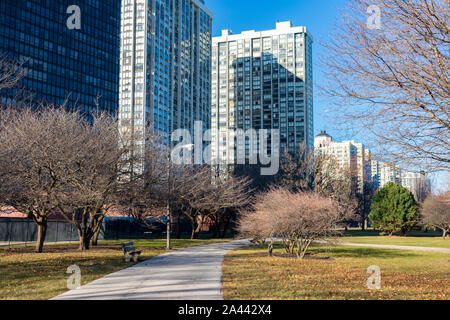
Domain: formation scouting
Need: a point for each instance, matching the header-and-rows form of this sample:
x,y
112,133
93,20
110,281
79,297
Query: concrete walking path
x,y
194,273
387,246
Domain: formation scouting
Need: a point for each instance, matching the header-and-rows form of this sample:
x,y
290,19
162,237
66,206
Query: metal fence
x,y
17,230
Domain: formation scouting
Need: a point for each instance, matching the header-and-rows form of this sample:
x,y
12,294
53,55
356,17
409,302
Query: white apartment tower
x,y
165,65
416,182
349,155
262,80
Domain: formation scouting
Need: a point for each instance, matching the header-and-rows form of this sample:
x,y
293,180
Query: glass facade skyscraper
x,y
80,65
262,80
165,65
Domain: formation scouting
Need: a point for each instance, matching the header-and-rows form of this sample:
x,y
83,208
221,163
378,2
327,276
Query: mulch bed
x,y
308,256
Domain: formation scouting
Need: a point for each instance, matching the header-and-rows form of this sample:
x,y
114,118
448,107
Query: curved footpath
x,y
387,246
194,273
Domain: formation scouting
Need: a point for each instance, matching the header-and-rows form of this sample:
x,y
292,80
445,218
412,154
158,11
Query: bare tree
x,y
298,218
339,184
200,195
230,193
96,161
297,171
422,190
191,186
259,224
435,213
364,201
52,160
392,77
13,93
11,71
307,171
32,145
142,194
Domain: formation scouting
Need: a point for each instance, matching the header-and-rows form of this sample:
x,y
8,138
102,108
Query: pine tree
x,y
394,209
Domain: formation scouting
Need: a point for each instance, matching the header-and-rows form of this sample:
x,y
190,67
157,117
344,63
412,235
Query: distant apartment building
x,y
375,170
390,173
416,182
165,66
262,80
350,156
385,172
61,62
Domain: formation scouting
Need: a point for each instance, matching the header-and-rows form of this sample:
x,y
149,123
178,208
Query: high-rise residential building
x,y
375,167
357,160
416,182
350,156
165,65
388,172
69,51
385,172
262,80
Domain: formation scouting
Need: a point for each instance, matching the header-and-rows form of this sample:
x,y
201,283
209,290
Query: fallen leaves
x,y
250,275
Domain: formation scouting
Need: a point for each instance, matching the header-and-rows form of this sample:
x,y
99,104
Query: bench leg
x,y
135,257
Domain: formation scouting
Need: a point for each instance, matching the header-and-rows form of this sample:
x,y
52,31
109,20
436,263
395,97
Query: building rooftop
x,y
282,27
323,133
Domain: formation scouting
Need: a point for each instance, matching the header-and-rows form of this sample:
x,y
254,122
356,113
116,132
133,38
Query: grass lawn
x,y
31,276
418,239
250,274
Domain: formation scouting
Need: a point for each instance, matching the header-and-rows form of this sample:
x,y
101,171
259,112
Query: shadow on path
x,y
193,273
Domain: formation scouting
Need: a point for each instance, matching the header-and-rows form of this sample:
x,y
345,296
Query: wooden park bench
x,y
130,252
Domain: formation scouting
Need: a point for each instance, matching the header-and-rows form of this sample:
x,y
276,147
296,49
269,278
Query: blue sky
x,y
319,16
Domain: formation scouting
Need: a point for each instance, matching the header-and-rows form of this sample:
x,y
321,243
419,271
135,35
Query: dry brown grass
x,y
38,276
405,275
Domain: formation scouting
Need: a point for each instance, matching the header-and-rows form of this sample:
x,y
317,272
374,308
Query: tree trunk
x,y
193,226
292,247
94,240
196,231
444,234
194,234
270,249
216,227
226,227
42,230
302,248
364,225
178,229
84,241
403,232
